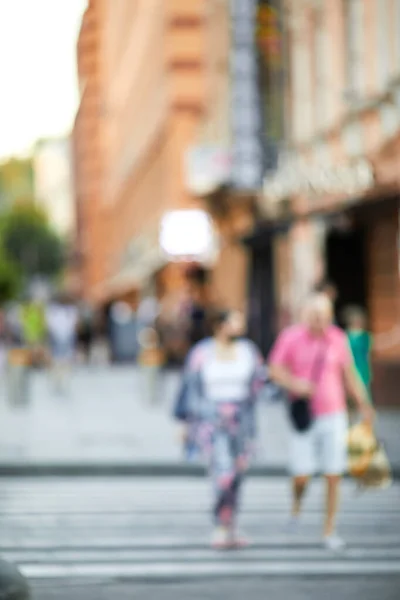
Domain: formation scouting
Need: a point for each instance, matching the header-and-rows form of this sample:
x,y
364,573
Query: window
x,y
396,28
302,88
320,68
383,24
355,59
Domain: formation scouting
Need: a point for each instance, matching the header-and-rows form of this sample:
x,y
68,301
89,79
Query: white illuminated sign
x,y
187,234
294,178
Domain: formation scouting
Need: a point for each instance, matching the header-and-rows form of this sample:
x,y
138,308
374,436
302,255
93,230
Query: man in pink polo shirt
x,y
313,361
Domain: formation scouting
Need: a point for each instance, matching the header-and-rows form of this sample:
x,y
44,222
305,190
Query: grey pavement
x,y
106,421
140,538
256,588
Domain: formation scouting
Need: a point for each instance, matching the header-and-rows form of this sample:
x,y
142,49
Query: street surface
x,y
141,538
106,420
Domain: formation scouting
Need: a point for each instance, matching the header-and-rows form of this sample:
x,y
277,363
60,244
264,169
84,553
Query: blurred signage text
x,y
295,178
208,167
246,119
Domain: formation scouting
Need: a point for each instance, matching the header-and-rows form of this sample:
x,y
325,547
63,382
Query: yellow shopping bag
x,y
367,459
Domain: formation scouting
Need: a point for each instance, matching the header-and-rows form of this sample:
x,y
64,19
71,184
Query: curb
x,y
145,470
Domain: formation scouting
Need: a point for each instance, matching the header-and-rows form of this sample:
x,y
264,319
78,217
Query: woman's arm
x,y
190,378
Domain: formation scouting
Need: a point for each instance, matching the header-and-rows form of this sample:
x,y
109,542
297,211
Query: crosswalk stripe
x,y
233,569
190,555
143,529
110,544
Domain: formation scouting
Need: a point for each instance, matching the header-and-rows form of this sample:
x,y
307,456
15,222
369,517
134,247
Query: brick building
x,y
332,206
147,74
87,153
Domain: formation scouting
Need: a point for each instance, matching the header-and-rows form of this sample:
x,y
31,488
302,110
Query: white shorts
x,y
322,448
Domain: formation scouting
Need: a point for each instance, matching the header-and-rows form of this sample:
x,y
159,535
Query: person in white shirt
x,y
62,321
216,403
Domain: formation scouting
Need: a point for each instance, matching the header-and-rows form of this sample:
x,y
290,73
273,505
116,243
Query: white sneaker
x,y
334,543
221,538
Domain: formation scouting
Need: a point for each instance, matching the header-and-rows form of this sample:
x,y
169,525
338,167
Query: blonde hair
x,y
317,303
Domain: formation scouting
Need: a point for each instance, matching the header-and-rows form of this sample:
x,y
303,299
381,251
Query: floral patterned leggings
x,y
229,457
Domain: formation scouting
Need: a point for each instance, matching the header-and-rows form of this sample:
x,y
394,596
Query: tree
x,y
10,280
29,241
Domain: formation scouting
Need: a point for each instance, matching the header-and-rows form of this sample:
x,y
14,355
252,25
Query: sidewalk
x,y
105,426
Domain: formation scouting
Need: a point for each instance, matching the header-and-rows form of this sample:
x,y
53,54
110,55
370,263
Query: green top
x,y
361,344
33,323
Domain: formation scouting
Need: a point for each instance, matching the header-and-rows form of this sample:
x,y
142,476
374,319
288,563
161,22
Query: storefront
x,y
345,227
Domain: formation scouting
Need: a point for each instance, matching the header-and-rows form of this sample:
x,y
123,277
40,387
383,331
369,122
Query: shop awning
x,y
265,230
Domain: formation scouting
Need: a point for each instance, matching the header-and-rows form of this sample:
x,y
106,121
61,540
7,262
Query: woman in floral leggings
x,y
217,405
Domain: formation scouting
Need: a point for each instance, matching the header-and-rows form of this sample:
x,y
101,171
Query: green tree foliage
x,y
16,181
29,242
10,280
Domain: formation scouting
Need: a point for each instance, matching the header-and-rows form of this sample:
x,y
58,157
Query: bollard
x,y
13,585
18,376
150,362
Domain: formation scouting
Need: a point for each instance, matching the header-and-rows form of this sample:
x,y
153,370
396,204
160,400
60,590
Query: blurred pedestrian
x,y
151,359
172,328
313,362
62,321
360,341
85,332
199,308
33,327
4,340
217,406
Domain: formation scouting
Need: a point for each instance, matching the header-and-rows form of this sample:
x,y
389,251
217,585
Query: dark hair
x,y
323,285
197,275
218,318
353,312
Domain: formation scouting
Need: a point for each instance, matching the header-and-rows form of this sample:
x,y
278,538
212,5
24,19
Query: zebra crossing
x,y
143,529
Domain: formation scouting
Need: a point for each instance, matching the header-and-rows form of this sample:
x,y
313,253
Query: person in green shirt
x,y
33,328
360,341
33,323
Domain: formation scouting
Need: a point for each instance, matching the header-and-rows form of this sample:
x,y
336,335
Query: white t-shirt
x,y
62,321
228,380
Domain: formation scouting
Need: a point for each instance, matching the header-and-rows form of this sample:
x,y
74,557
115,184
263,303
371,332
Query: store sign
x,y
207,168
271,76
188,235
246,118
295,179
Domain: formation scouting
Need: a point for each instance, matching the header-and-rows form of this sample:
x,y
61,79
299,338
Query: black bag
x,y
300,414
299,407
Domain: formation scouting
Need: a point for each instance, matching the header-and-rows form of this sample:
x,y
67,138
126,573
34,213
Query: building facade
x,y
87,151
144,68
171,117
336,188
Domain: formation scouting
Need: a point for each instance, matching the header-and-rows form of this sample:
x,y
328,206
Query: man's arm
x,y
357,390
281,375
279,363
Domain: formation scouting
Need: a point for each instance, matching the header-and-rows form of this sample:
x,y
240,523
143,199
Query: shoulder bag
x,y
299,406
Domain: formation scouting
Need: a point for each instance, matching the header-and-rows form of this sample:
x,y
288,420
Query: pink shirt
x,y
298,350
